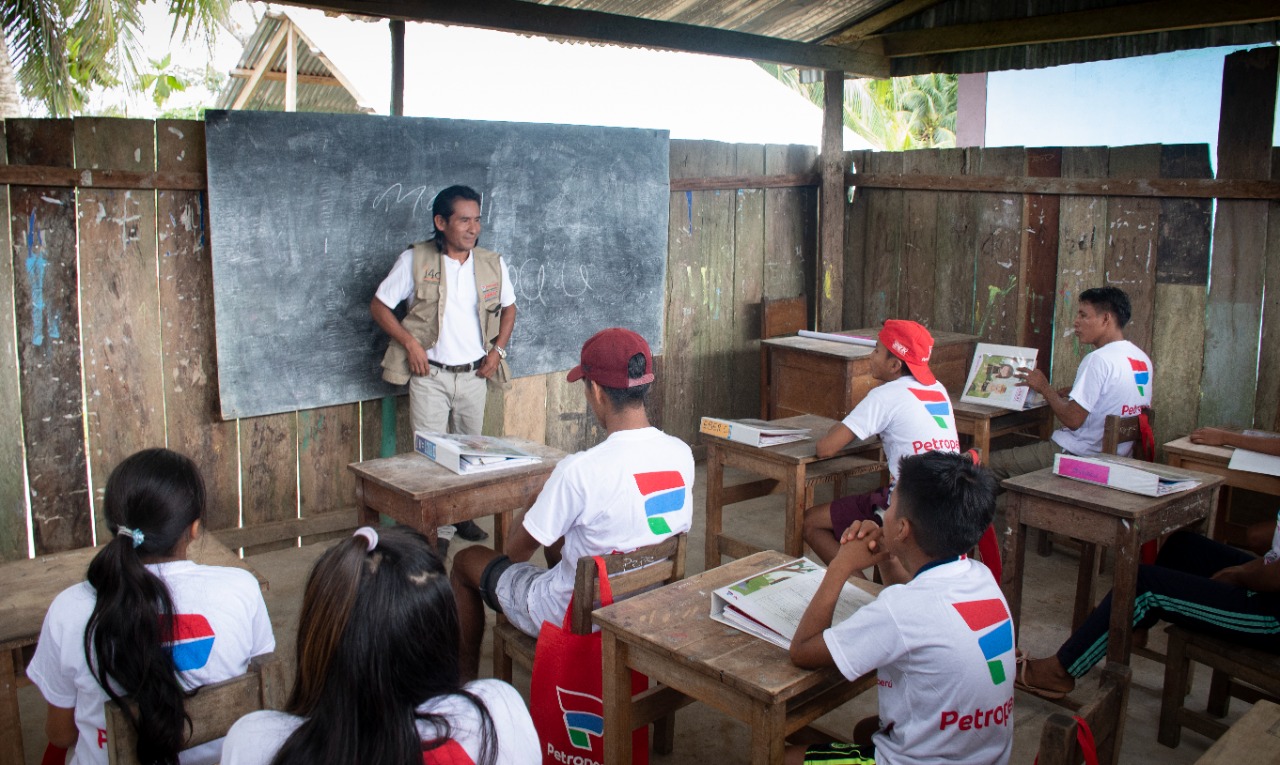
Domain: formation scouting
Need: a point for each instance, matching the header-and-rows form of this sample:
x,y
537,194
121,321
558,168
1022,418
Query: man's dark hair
x,y
624,398
949,500
1113,300
446,200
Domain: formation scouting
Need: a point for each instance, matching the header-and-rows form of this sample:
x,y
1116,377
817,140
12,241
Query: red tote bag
x,y
565,693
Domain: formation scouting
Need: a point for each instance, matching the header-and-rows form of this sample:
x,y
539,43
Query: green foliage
x,y
162,81
897,114
62,49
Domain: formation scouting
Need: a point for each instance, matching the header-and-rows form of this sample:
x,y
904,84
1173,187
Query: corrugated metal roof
x,y
321,87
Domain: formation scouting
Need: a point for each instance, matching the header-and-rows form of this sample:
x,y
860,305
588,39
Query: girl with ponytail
x,y
377,671
148,623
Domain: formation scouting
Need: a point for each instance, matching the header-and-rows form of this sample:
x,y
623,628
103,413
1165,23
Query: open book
x,y
993,377
769,605
751,432
1123,473
470,454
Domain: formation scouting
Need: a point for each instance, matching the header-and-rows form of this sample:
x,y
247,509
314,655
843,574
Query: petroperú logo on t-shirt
x,y
991,619
192,641
935,403
663,494
1141,375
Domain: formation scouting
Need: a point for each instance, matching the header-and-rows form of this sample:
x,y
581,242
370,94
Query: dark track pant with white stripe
x,y
1178,589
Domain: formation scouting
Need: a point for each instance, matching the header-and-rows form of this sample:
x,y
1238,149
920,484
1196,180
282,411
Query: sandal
x,y
1020,681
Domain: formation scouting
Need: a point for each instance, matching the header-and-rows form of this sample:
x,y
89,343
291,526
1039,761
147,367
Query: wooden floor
x,y
703,735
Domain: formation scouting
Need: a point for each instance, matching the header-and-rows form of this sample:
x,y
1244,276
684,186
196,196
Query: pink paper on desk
x,y
1085,471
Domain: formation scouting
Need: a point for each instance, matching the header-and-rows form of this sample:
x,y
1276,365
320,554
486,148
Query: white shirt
x,y
257,737
222,623
1114,379
459,341
631,490
942,646
910,418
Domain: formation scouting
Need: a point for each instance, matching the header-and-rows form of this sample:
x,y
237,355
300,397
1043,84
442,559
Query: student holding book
x,y
631,490
911,412
1114,378
939,635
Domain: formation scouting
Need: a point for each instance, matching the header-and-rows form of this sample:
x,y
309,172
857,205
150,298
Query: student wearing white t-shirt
x,y
938,636
631,490
911,412
157,625
377,678
1113,379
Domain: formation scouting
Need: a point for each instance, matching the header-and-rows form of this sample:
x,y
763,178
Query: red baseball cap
x,y
912,343
606,356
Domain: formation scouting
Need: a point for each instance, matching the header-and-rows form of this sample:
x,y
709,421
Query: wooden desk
x,y
1101,516
417,492
792,469
828,378
1214,459
668,635
29,588
984,422
1253,740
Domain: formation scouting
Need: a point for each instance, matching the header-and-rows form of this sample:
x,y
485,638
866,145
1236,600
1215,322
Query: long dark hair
x,y
151,500
377,637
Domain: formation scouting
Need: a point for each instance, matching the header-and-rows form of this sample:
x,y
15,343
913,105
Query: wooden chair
x,y
1244,673
778,316
629,574
1104,715
213,708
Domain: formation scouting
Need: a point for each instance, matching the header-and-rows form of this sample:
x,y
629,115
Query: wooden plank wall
x,y
109,296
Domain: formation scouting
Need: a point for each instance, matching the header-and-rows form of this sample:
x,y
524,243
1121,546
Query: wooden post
x,y
397,67
291,69
830,287
1234,314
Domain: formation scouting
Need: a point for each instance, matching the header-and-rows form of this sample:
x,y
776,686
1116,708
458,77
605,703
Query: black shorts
x,y
489,581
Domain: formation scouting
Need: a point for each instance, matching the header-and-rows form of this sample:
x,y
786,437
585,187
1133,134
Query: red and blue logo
x,y
935,403
583,716
192,641
1141,374
991,618
664,493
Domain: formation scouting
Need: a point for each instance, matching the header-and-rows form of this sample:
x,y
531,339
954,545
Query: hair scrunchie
x,y
369,534
135,534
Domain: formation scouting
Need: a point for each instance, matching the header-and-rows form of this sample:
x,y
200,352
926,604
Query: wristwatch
x,y
502,352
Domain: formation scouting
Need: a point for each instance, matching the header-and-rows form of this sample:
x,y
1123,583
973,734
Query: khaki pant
x,y
1008,463
448,402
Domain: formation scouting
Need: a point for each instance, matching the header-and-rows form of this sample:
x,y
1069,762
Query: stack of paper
x,y
769,605
751,432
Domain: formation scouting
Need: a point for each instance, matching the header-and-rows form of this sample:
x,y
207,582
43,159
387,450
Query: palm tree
x,y
897,114
63,48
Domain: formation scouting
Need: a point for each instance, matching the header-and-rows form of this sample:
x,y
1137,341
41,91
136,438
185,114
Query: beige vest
x,y
424,318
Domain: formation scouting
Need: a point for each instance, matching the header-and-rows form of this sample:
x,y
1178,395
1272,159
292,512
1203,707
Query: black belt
x,y
458,368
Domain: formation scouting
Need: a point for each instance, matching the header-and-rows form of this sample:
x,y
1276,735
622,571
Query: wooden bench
x,y
1104,714
1245,673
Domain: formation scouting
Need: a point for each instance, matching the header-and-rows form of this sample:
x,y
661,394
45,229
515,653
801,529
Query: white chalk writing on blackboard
x,y
384,199
532,278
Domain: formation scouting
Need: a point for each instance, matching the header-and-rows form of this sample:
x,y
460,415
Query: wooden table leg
x,y
616,693
10,722
1123,593
502,529
796,496
715,506
1013,566
365,515
768,733
982,438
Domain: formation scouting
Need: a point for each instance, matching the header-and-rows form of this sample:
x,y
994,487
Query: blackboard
x,y
309,211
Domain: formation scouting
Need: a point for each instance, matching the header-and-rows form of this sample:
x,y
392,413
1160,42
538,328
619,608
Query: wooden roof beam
x,y
556,21
303,79
262,64
879,20
1142,18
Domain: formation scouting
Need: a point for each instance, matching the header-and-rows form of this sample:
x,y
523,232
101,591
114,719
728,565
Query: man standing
x,y
453,341
633,489
1115,378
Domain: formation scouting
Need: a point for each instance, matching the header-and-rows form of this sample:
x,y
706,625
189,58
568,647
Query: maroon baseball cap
x,y
912,343
607,354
